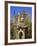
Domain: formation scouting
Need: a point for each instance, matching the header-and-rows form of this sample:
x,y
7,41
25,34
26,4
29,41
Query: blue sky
x,y
20,9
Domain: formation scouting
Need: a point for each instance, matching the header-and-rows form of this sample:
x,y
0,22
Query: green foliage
x,y
12,32
29,24
27,21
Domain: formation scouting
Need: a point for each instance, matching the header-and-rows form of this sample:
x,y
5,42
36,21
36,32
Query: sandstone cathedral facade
x,y
19,26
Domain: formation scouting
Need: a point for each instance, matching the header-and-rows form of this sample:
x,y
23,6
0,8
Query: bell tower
x,y
19,18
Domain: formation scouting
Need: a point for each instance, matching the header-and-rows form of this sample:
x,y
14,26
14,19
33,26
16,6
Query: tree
x,y
27,21
12,31
29,24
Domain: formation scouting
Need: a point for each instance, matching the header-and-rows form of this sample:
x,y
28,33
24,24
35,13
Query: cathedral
x,y
20,29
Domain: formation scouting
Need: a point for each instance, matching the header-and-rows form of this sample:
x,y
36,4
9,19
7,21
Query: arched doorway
x,y
21,34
